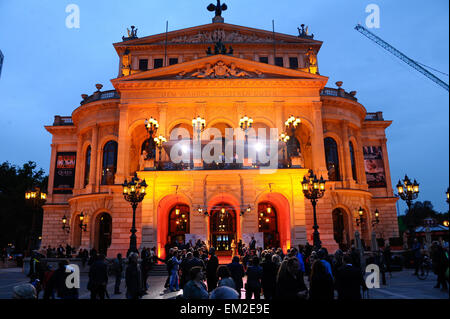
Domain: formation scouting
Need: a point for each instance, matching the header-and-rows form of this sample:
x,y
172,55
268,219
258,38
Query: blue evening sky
x,y
48,66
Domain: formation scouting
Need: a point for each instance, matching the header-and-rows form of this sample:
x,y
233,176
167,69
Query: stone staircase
x,y
158,270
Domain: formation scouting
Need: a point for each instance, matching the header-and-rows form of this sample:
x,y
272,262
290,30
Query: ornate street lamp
x,y
284,138
199,125
376,221
246,123
65,227
159,144
448,195
82,225
152,126
292,123
408,192
361,219
134,192
314,189
36,198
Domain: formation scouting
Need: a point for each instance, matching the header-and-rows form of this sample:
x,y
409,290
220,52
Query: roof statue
x,y
132,34
218,9
304,32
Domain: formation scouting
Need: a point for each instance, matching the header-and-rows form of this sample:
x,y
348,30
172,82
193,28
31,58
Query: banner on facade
x,y
64,180
374,165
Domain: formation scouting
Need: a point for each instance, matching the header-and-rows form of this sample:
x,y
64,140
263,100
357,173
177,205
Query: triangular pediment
x,y
220,67
211,33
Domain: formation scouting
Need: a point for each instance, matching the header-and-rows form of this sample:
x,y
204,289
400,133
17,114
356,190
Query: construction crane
x,y
416,65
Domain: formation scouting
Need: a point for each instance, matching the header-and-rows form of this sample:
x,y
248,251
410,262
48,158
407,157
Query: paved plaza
x,y
402,285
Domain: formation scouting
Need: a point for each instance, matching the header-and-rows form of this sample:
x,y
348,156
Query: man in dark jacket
x,y
117,270
98,278
58,282
133,278
269,277
211,270
440,265
349,281
237,273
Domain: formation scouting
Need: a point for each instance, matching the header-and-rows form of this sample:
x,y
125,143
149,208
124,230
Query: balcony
x,y
339,93
97,96
63,121
377,116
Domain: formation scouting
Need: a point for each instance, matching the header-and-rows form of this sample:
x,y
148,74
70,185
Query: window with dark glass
x,y
87,166
143,64
263,59
109,163
279,61
332,159
353,161
293,63
158,63
173,61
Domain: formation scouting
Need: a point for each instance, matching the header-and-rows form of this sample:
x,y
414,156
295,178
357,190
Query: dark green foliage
x,y
15,213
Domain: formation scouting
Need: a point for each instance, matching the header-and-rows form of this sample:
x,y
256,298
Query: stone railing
x,y
97,96
338,93
377,116
62,121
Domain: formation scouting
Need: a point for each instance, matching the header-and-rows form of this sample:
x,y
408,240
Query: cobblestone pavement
x,y
402,285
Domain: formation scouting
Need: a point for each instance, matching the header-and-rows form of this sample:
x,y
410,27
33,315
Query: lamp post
x,y
159,144
408,191
284,138
246,123
314,189
134,192
152,126
448,195
82,225
376,221
291,126
36,198
199,125
361,219
65,227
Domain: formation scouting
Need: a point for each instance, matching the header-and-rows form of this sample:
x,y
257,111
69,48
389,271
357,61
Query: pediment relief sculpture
x,y
221,35
220,70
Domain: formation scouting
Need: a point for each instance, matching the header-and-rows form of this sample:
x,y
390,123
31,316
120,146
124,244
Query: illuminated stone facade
x,y
186,79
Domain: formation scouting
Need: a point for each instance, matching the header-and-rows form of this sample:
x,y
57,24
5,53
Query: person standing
x,y
237,273
211,270
290,281
98,278
254,276
321,283
174,279
195,289
269,277
349,281
117,271
417,255
440,265
252,244
224,276
133,278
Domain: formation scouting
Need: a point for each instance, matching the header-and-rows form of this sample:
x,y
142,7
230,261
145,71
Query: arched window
x,y
222,224
268,224
353,161
332,158
109,163
178,223
87,166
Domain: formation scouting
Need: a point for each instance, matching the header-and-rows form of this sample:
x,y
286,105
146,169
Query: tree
x,y
419,212
15,215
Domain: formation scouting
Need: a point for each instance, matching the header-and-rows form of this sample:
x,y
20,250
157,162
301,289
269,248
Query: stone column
x,y
360,159
79,183
318,150
94,151
123,147
51,177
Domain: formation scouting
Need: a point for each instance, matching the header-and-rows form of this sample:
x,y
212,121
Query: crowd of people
x,y
301,273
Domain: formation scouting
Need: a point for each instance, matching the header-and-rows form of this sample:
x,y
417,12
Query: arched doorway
x,y
341,229
103,232
268,224
222,227
179,221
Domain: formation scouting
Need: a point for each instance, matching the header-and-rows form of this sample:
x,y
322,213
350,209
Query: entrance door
x,y
268,224
223,228
103,233
340,229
